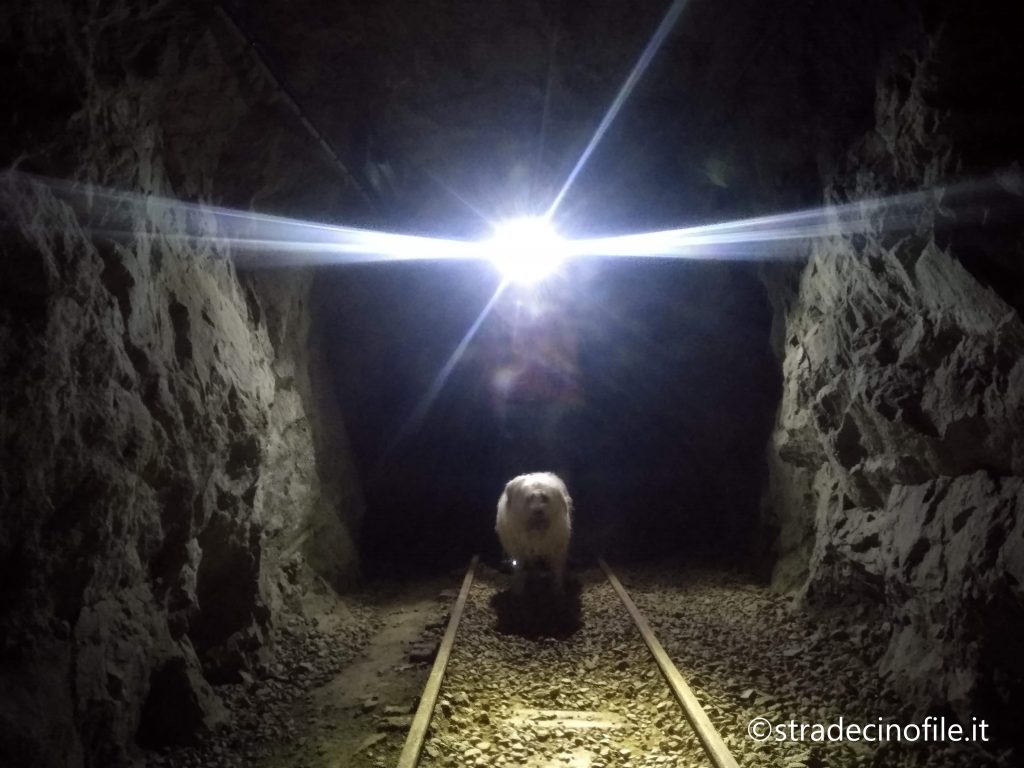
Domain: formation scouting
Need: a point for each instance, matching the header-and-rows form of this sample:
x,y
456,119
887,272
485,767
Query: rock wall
x,y
897,460
171,475
309,460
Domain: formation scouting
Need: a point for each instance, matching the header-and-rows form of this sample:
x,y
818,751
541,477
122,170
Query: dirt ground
x,y
347,675
541,680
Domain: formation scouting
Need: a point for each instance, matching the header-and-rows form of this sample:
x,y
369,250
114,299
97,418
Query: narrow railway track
x,y
591,688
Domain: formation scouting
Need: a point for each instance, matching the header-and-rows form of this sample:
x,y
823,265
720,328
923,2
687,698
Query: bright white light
x,y
526,250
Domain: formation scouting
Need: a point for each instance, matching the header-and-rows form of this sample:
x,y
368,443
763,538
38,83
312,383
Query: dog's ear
x,y
508,494
514,487
563,491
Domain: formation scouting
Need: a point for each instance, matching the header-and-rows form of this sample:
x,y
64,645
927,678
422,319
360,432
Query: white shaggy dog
x,y
534,522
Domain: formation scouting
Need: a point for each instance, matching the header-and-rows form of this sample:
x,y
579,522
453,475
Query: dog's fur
x,y
534,522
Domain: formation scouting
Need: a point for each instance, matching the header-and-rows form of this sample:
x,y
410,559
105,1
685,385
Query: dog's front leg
x,y
558,570
518,577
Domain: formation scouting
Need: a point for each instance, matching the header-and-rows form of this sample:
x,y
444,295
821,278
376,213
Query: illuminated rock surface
x,y
162,490
897,461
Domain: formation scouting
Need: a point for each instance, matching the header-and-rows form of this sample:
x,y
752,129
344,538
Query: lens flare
x,y
425,403
656,41
526,250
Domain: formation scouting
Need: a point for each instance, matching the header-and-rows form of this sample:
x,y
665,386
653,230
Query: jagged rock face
x,y
308,485
897,462
162,476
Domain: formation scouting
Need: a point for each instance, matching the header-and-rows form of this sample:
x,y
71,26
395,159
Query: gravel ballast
x,y
538,680
589,697
527,680
748,653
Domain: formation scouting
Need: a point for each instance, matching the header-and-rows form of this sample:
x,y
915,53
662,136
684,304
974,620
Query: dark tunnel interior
x,y
263,379
650,388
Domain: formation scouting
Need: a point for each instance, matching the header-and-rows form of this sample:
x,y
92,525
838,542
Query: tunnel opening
x,y
649,387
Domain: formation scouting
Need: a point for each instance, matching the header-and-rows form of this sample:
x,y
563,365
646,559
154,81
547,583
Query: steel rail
x,y
709,737
425,711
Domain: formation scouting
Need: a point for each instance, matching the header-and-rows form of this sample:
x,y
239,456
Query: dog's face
x,y
538,500
534,521
538,509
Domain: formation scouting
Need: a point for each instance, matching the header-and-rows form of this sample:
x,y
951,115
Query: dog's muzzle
x,y
538,521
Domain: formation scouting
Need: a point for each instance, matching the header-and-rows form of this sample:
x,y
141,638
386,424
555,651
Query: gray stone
x,y
897,459
159,458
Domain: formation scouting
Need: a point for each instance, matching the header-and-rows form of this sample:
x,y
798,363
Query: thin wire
x,y
545,115
263,64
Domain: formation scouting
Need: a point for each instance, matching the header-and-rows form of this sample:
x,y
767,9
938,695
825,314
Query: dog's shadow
x,y
540,609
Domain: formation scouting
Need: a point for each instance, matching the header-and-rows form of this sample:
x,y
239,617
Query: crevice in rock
x,y
181,325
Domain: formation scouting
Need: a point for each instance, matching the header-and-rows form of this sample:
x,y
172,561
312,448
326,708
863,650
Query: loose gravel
x,y
748,653
262,707
539,681
588,697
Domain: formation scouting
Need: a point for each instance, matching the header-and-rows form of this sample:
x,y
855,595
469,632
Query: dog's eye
x,y
543,496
